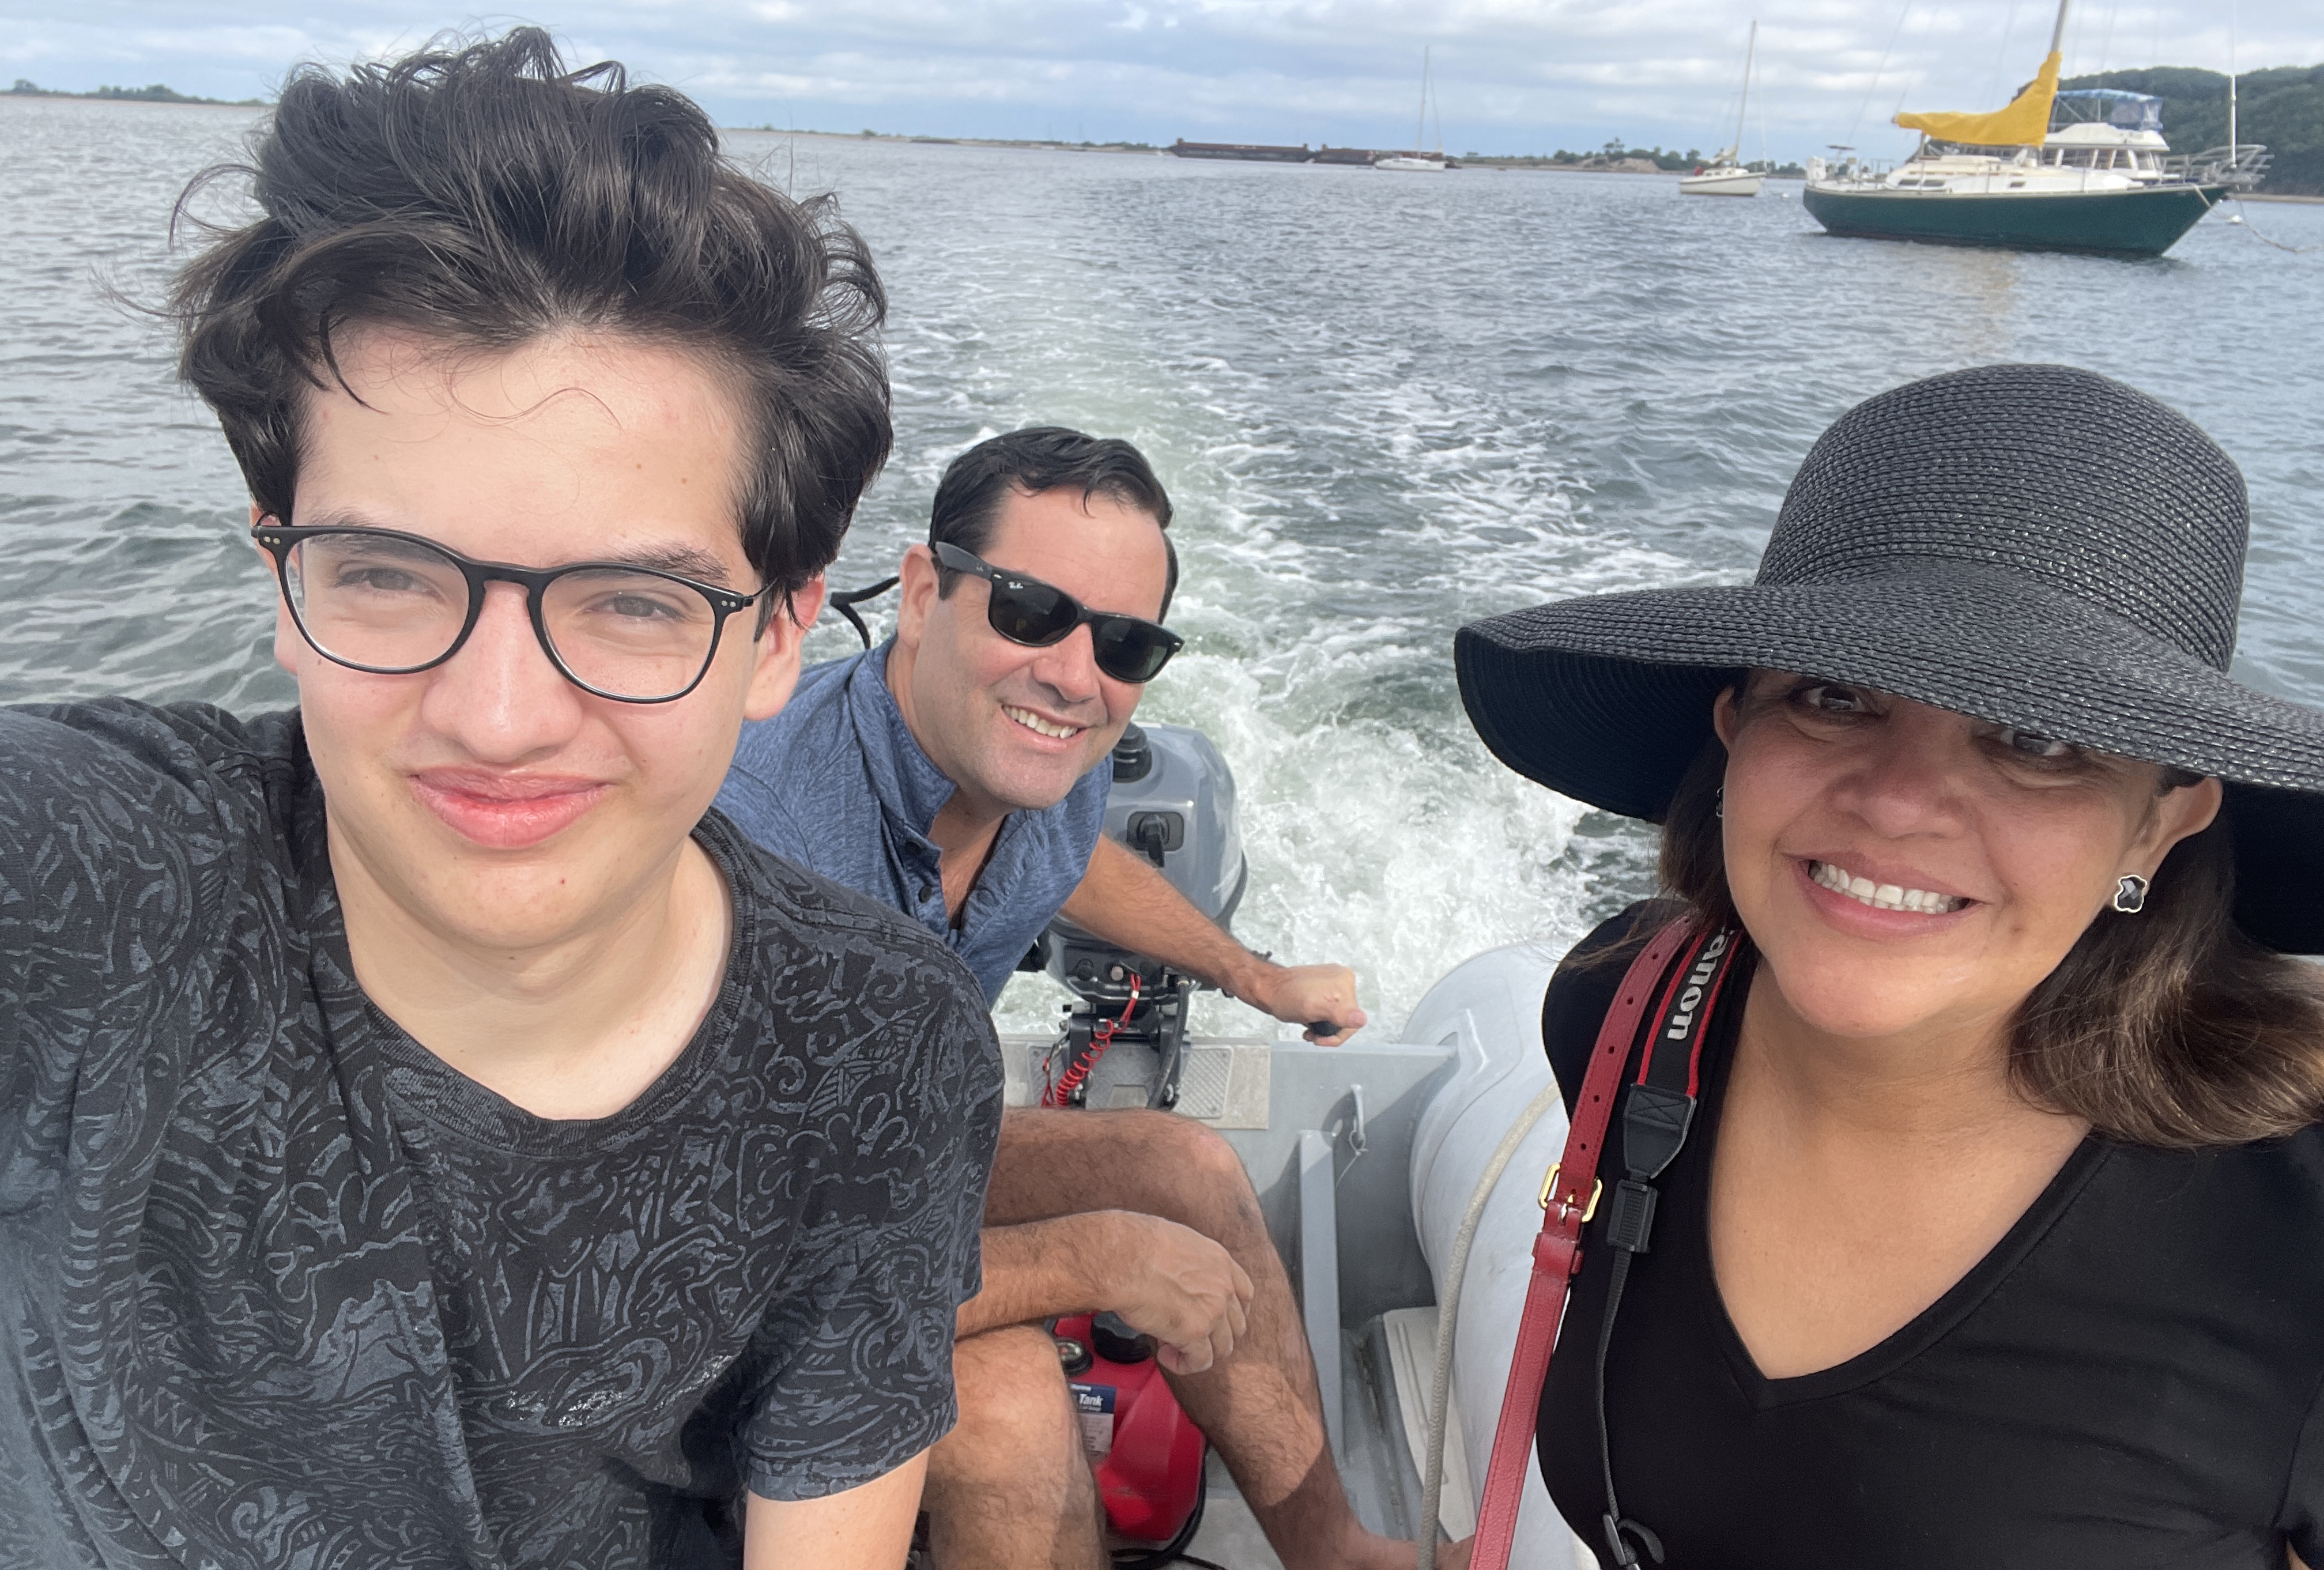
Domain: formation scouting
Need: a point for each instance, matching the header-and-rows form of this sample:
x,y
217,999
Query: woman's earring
x,y
2130,893
1719,803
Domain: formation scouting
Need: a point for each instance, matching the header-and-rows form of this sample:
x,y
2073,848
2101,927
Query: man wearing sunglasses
x,y
959,772
428,1136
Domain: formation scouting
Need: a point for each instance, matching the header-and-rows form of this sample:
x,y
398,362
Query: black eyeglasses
x,y
1025,610
395,605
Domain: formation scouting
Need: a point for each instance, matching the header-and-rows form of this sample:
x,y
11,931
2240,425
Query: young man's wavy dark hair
x,y
485,196
1042,458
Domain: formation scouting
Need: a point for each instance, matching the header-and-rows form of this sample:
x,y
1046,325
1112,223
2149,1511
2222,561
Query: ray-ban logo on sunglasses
x,y
1025,610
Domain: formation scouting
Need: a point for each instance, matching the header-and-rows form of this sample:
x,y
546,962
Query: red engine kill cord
x,y
1061,1092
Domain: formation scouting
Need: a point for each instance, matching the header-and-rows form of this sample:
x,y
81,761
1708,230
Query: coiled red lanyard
x,y
1062,1093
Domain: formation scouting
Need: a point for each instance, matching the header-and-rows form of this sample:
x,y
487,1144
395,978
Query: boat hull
x,y
2142,221
1744,184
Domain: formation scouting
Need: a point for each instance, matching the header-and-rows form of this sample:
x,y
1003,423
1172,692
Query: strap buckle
x,y
1565,1207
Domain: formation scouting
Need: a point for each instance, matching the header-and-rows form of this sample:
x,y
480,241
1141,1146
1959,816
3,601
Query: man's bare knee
x,y
1157,1163
1017,1422
1192,1175
1008,1488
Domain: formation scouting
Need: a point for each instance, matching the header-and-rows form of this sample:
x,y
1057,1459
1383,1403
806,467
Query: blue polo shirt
x,y
836,783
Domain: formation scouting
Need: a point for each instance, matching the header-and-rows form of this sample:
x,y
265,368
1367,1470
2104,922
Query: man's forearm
x,y
1037,1269
1126,902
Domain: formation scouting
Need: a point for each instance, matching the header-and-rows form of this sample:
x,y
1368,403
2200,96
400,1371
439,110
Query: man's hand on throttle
x,y
1180,1287
1322,997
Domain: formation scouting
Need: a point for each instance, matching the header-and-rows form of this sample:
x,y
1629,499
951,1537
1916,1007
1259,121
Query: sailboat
x,y
1725,174
2077,170
1417,159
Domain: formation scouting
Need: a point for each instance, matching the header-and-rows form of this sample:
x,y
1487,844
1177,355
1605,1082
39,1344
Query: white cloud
x,y
1516,75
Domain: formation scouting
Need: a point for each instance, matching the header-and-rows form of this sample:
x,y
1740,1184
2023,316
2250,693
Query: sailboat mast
x,y
2234,16
1744,103
2058,33
1420,129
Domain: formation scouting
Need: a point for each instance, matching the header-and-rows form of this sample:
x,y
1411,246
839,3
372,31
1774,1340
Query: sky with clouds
x,y
1511,75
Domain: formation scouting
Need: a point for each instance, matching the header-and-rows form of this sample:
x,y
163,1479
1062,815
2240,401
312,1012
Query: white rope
x,y
1448,1314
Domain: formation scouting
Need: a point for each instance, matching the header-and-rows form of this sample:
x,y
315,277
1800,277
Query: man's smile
x,y
1057,730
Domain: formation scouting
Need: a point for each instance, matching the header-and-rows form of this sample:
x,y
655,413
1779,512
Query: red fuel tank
x,y
1146,1452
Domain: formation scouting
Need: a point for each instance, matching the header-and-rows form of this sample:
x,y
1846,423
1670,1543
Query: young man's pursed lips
x,y
505,811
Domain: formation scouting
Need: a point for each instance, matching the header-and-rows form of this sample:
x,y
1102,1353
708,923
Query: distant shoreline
x,y
1522,161
1142,149
154,94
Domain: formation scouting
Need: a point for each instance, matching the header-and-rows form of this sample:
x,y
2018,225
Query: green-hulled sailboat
x,y
2085,170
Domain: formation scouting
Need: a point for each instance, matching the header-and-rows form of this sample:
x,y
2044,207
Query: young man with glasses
x,y
426,1137
959,772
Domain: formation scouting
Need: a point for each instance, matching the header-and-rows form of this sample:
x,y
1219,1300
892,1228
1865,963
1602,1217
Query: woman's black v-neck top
x,y
2130,1379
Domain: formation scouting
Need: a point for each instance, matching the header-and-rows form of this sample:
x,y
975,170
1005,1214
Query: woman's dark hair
x,y
1042,458
483,196
2170,1028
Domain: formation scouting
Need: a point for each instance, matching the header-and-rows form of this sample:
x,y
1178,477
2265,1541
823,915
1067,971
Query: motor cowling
x,y
1173,803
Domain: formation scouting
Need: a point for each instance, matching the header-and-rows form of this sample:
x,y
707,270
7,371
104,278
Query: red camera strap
x,y
1570,1197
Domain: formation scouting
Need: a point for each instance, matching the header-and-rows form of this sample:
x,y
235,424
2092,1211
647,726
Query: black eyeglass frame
x,y
279,539
952,558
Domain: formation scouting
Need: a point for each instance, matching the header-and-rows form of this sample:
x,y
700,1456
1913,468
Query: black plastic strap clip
x,y
1630,1220
1655,1122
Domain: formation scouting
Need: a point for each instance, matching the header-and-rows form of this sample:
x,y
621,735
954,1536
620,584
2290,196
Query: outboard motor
x,y
1123,1041
1123,1045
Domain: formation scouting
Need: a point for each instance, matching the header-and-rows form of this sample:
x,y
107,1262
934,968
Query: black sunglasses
x,y
394,604
1025,610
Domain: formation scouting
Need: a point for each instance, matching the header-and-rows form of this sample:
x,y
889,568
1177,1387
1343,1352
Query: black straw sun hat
x,y
2034,545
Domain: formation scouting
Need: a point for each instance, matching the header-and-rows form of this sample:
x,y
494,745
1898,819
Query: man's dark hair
x,y
483,196
1042,458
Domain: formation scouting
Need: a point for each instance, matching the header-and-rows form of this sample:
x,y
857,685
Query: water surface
x,y
1384,405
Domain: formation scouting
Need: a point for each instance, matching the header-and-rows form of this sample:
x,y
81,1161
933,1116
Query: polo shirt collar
x,y
912,789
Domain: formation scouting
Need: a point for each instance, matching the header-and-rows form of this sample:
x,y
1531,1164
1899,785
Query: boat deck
x,y
1326,1135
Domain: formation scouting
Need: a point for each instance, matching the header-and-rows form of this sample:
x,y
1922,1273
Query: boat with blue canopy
x,y
2083,168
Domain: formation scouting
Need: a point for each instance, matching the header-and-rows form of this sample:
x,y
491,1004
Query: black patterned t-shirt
x,y
280,1287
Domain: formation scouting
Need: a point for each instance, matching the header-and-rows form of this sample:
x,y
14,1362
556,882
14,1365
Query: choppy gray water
x,y
1384,404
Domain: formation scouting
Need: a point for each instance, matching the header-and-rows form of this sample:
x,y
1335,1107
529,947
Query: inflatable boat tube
x,y
1489,1010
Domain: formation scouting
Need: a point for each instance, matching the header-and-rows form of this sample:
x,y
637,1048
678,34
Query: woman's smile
x,y
1837,877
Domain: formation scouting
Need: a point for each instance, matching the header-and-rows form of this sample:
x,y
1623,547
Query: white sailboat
x,y
1725,174
1417,159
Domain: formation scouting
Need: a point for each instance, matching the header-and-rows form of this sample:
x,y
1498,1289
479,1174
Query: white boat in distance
x,y
1433,164
1725,174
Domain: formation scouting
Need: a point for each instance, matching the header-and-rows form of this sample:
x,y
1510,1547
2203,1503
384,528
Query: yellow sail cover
x,y
2024,123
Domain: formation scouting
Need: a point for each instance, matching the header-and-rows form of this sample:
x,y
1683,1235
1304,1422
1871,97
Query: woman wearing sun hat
x,y
1978,1217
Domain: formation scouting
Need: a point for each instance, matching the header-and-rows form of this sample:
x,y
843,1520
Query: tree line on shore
x,y
156,93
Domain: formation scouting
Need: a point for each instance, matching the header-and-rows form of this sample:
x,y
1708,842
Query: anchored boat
x,y
1432,162
1368,1159
1725,174
2073,171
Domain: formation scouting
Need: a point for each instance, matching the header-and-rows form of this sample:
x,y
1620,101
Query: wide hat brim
x,y
1608,698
